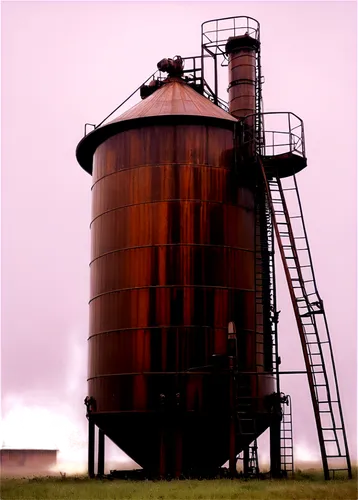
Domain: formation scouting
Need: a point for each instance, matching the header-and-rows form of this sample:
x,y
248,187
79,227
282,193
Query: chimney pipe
x,y
241,51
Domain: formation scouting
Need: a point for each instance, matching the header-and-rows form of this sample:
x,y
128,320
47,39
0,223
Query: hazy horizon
x,y
68,63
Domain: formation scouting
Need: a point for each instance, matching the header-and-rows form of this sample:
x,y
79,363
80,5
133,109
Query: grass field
x,y
307,485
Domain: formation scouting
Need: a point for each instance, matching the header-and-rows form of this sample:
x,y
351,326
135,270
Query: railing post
x,y
289,131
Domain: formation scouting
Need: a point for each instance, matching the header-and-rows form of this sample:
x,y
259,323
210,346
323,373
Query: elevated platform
x,y
283,165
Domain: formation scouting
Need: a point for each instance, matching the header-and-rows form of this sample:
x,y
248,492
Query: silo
x,y
172,263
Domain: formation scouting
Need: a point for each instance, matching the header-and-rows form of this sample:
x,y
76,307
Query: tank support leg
x,y
275,447
162,455
232,456
232,444
100,468
178,452
246,461
91,436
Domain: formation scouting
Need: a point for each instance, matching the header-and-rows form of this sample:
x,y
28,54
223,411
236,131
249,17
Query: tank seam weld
x,y
159,165
158,245
170,286
181,200
105,332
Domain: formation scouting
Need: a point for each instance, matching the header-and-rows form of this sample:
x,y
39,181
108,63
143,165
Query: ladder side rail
x,y
328,339
300,330
314,324
287,440
302,284
291,413
335,377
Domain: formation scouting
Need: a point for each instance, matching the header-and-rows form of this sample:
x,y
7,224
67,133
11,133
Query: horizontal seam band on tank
x,y
158,245
170,286
159,165
185,372
136,328
238,97
157,412
181,200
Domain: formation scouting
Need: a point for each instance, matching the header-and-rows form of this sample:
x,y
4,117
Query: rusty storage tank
x,y
172,263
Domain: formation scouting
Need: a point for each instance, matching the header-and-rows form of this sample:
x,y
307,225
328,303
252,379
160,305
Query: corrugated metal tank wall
x,y
172,263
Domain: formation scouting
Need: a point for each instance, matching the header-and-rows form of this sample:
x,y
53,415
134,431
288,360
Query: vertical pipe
x,y
277,360
241,51
91,435
216,88
202,57
100,467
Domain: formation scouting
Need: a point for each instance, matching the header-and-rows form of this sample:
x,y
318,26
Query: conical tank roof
x,y
172,100
175,98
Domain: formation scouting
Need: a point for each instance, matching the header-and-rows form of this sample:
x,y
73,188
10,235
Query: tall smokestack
x,y
241,51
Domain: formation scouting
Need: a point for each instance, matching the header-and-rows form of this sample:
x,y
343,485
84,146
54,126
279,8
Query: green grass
x,y
307,485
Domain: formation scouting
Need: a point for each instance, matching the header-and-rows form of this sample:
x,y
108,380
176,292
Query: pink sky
x,y
67,63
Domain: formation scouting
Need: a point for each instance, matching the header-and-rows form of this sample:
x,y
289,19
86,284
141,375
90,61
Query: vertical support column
x,y
91,445
246,461
178,452
232,456
100,467
275,446
162,468
232,449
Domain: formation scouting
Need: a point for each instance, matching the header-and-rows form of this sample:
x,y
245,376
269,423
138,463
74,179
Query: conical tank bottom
x,y
202,444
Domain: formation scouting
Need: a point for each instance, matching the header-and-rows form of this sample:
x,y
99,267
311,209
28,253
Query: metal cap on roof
x,y
174,99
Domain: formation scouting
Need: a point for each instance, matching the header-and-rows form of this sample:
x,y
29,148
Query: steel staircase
x,y
311,321
286,438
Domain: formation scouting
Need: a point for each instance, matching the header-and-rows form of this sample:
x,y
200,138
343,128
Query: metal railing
x,y
282,133
215,33
192,75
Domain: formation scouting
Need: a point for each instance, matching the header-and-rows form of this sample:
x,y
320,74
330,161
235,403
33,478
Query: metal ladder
x,y
245,408
253,460
253,470
286,438
260,287
259,137
273,311
311,321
